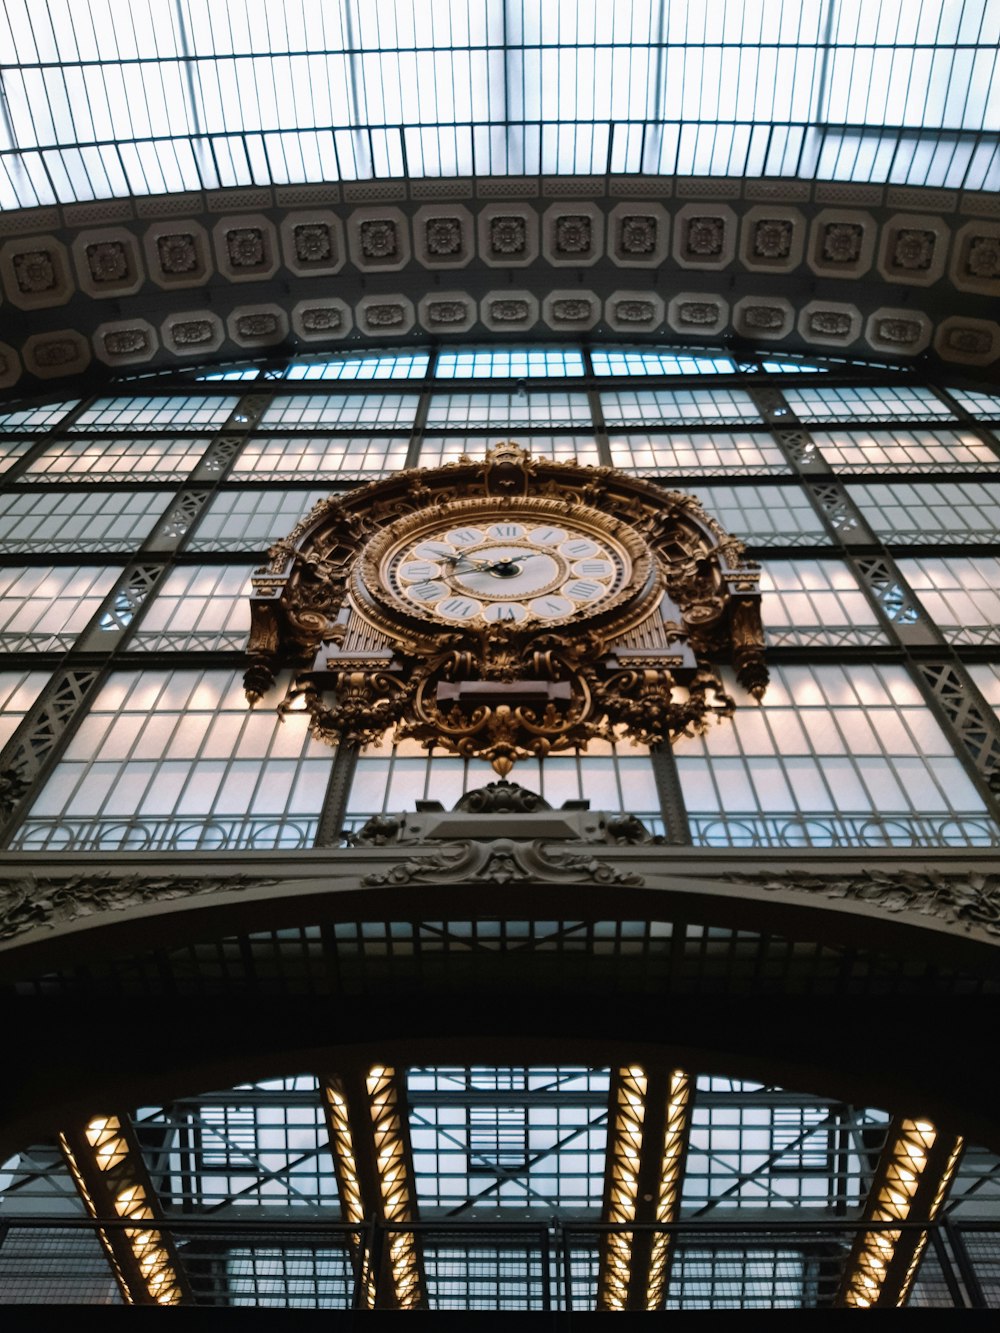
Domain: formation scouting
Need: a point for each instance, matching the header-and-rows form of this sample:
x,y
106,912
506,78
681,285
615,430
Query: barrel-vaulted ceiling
x,y
182,183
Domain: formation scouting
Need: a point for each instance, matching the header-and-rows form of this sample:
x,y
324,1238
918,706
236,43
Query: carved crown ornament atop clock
x,y
507,607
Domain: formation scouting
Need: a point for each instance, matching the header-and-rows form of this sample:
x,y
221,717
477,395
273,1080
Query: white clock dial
x,y
506,571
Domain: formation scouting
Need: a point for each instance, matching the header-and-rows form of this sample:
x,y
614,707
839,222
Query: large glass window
x,y
175,760
945,511
508,409
904,94
34,419
391,778
198,607
816,603
436,450
362,366
677,407
765,515
835,756
18,691
721,454
251,519
508,363
163,458
899,450
90,520
175,413
341,411
653,361
904,401
317,457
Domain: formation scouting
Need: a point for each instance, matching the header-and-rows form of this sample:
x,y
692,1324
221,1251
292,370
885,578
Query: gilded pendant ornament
x,y
507,607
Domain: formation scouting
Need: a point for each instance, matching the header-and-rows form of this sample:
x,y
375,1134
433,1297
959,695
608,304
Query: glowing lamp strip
x,y
394,1182
624,1156
906,1161
112,1158
935,1208
342,1143
92,1209
346,1165
671,1172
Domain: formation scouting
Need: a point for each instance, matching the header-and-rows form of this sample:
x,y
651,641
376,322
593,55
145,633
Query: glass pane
x,y
741,454
44,607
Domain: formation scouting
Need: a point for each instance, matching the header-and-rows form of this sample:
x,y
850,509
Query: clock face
x,y
505,571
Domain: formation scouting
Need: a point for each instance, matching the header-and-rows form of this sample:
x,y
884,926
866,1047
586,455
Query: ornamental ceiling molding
x,y
505,608
781,264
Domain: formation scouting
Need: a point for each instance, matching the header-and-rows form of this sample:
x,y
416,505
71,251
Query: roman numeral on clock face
x,y
583,591
426,592
465,536
578,548
458,608
504,613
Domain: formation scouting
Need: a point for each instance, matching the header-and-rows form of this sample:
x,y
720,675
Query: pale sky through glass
x,y
106,98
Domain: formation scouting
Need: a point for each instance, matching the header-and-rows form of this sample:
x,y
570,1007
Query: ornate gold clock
x,y
507,607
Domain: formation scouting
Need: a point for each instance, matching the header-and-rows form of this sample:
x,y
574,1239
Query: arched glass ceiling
x,y
105,98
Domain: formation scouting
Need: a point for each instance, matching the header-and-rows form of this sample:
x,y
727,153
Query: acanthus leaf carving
x,y
971,901
34,904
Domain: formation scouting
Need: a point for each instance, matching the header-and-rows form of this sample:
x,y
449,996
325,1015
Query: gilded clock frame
x,y
640,664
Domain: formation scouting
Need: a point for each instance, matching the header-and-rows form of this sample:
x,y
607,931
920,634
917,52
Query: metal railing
x,y
549,1265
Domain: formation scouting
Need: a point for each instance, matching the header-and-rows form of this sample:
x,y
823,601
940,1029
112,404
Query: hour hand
x,y
455,560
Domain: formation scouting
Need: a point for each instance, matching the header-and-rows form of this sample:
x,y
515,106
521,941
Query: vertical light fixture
x,y
912,1179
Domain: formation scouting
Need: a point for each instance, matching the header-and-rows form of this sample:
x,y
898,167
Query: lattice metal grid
x,y
264,1145
751,1276
755,1147
508,1142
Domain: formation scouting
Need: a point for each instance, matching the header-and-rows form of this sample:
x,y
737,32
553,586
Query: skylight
x,y
104,98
